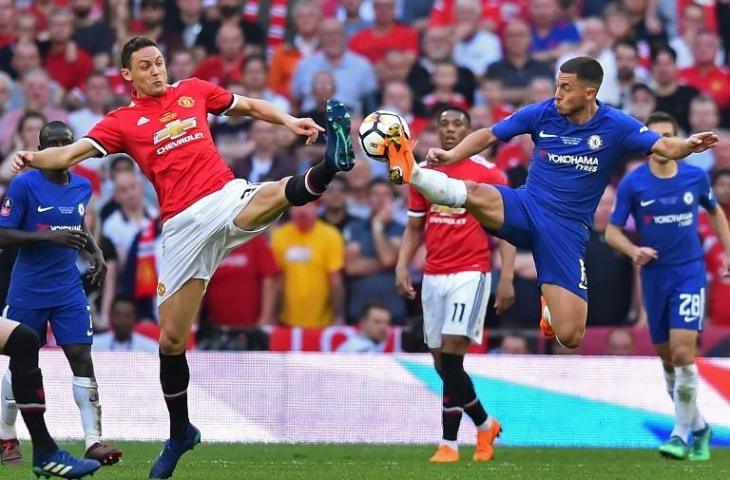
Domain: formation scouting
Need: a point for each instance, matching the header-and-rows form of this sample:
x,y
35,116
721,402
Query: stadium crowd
x,y
332,263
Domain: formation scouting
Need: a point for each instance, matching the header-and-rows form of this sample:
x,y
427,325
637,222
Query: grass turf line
x,y
383,462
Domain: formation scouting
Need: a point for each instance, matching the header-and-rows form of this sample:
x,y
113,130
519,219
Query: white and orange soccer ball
x,y
377,128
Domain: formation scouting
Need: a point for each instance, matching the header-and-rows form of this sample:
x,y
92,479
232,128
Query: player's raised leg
x,y
272,199
21,344
177,314
566,314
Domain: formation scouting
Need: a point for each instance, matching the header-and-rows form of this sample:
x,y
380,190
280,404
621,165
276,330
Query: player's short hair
x,y
663,117
132,45
723,172
52,129
373,304
663,48
452,108
587,69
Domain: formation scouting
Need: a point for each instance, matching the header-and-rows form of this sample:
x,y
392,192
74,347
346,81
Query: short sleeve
x,y
417,203
622,207
218,100
14,205
335,251
522,121
707,198
106,136
638,138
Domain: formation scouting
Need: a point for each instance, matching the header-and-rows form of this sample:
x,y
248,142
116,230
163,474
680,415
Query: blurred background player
x,y
43,214
456,286
664,197
578,141
21,344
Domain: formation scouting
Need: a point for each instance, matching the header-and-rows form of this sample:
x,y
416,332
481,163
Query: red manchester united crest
x,y
186,102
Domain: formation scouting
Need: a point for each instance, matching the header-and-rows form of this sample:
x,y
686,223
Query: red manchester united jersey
x,y
168,136
455,241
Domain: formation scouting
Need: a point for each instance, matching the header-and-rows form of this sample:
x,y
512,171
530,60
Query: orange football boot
x,y
445,454
400,158
485,442
545,326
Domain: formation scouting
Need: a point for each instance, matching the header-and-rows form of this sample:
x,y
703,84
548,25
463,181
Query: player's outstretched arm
x,y
54,158
619,241
268,112
719,224
677,148
475,143
408,248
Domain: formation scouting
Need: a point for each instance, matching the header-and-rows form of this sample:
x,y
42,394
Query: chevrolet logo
x,y
447,211
175,130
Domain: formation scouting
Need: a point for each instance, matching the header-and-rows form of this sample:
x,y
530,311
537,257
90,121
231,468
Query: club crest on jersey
x,y
688,198
161,289
7,205
81,209
595,142
168,117
175,129
186,102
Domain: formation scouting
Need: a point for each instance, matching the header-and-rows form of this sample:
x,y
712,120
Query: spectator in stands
x,y
349,15
492,93
644,22
96,93
35,86
63,59
374,327
305,42
116,164
101,296
310,254
704,115
266,163
151,23
358,180
620,342
437,47
476,48
255,83
232,134
642,102
671,96
180,65
229,13
354,75
6,88
552,34
323,88
540,89
188,23
25,57
397,96
139,273
7,22
692,21
722,151
607,271
227,66
628,72
92,35
334,204
444,78
518,67
133,215
122,336
617,22
495,14
242,291
372,43
705,75
371,255
394,67
25,138
513,343
718,287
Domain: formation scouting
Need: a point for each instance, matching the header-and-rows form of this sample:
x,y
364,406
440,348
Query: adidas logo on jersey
x,y
142,121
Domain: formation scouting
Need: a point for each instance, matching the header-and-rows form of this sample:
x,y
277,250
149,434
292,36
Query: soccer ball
x,y
376,128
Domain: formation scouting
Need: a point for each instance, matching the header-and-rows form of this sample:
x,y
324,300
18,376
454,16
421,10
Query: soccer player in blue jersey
x,y
578,140
43,214
663,197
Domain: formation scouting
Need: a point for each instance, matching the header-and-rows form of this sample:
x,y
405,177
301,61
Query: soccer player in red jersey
x,y
456,286
205,211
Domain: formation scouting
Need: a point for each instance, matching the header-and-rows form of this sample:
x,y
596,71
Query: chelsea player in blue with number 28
x,y
578,141
664,197
43,214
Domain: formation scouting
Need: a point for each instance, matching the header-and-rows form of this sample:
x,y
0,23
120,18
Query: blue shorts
x,y
674,297
558,244
70,324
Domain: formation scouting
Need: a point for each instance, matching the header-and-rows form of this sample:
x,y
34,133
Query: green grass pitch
x,y
366,462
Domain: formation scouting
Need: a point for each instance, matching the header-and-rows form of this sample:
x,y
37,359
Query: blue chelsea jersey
x,y
665,211
45,274
572,163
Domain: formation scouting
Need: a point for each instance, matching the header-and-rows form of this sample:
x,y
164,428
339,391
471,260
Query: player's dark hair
x,y
663,48
452,108
132,45
30,116
52,129
587,69
662,117
371,305
723,172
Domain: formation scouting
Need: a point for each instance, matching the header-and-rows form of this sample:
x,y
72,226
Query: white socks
x,y
86,396
8,409
439,188
685,400
669,380
485,426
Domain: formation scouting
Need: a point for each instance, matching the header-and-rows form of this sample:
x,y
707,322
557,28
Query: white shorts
x,y
195,241
455,304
